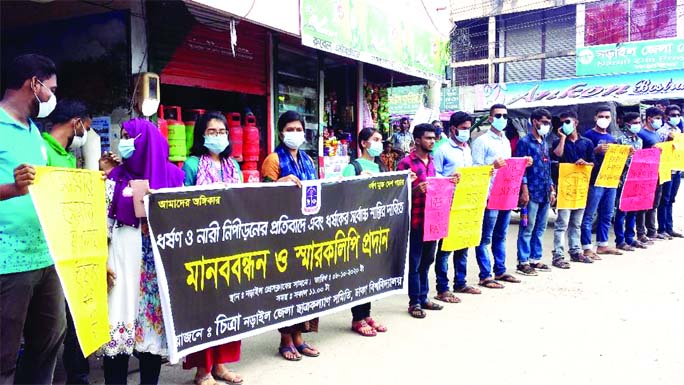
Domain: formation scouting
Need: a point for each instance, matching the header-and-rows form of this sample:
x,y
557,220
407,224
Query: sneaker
x,y
675,234
526,269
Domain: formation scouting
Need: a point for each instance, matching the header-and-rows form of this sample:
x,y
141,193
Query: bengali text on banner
x,y
467,208
612,166
573,186
505,190
440,192
638,192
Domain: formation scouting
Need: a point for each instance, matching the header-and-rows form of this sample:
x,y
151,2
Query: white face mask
x,y
78,141
46,108
544,129
603,123
375,149
293,139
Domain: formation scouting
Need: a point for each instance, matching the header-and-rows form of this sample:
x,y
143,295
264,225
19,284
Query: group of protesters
x,y
32,304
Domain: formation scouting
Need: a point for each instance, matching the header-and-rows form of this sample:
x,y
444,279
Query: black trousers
x,y
116,369
647,221
32,304
76,365
360,312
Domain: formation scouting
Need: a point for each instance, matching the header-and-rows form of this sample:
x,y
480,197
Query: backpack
x,y
357,167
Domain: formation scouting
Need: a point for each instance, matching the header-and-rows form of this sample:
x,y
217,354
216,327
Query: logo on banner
x,y
311,198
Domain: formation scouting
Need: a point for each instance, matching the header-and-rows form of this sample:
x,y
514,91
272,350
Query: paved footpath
x,y
618,321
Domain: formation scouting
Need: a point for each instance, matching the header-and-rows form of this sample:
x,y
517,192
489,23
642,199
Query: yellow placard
x,y
613,164
667,157
467,208
71,207
678,161
573,185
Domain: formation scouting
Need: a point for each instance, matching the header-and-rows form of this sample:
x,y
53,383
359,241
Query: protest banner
x,y
666,160
505,192
467,208
440,193
678,145
612,166
573,185
242,260
70,204
638,192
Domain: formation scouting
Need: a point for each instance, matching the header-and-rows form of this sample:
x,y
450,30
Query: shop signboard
x,y
450,99
636,56
386,34
405,100
580,90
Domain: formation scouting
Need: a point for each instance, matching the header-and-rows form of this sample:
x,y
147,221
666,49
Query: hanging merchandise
x,y
378,103
177,146
235,134
162,123
191,115
250,140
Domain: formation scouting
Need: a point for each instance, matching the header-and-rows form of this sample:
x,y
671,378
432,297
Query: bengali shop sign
x,y
637,56
240,261
406,100
590,89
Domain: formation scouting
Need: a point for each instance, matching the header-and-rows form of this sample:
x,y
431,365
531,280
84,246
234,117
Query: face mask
x,y
499,123
463,136
438,131
568,128
293,139
634,128
127,147
46,108
375,149
657,123
603,123
78,141
216,144
674,120
543,129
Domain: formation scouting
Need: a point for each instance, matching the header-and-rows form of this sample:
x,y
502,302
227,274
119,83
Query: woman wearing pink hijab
x,y
135,316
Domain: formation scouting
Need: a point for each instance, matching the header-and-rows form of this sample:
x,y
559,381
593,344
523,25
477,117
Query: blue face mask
x,y
216,144
674,120
499,123
127,147
438,132
568,128
463,136
634,128
657,123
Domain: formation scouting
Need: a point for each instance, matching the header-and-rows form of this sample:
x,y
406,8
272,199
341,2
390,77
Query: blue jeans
x,y
442,267
568,221
625,227
670,189
531,236
421,256
494,230
601,201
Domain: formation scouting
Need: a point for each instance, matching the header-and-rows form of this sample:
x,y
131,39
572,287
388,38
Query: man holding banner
x,y
537,193
31,299
625,222
493,148
670,189
600,200
576,150
448,158
421,254
647,226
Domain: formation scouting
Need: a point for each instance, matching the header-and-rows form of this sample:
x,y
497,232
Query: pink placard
x,y
505,192
440,193
638,192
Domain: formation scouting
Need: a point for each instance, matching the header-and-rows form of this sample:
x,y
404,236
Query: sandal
x,y
491,284
468,290
207,379
303,350
625,247
416,311
447,297
289,349
607,250
236,379
561,264
581,258
429,305
589,253
377,326
507,278
540,266
363,328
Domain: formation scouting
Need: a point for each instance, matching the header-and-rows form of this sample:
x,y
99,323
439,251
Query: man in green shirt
x,y
70,125
31,298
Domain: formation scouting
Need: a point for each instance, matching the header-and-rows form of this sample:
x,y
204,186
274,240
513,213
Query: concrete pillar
x,y
434,94
491,35
580,15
